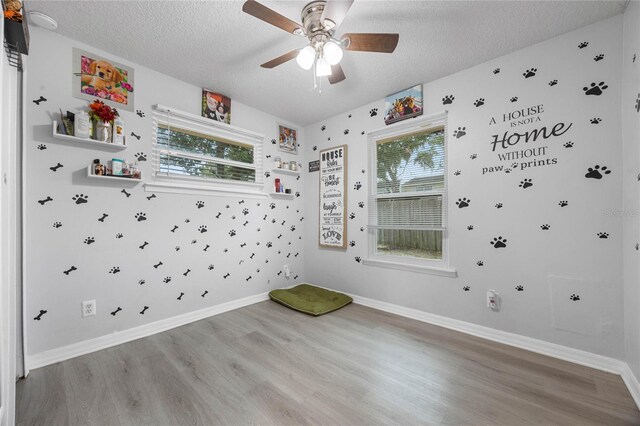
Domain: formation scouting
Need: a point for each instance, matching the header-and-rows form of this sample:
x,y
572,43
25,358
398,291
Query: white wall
x,y
8,200
571,248
51,250
631,179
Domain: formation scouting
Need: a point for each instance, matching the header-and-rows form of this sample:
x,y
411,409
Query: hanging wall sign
x,y
333,197
314,166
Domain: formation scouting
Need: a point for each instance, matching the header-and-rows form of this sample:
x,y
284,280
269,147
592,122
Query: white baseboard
x,y
87,346
632,383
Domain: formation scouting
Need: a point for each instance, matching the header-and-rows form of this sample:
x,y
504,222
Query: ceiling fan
x,y
320,20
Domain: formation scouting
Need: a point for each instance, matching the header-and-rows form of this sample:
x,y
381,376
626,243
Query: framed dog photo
x,y
402,105
216,106
98,77
287,139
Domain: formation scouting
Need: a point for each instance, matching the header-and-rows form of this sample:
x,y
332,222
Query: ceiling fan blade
x,y
371,42
335,11
281,59
256,9
337,75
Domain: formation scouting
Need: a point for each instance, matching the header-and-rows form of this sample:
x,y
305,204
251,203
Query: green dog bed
x,y
310,299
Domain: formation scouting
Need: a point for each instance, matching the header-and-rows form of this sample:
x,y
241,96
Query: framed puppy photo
x,y
287,139
98,77
216,106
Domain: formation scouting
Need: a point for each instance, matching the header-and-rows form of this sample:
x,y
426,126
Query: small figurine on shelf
x,y
102,116
12,10
98,169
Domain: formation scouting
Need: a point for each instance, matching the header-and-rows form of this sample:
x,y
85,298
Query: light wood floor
x,y
266,364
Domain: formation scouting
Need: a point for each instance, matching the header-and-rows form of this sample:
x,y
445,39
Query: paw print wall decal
x,y
519,288
575,297
202,229
373,112
599,57
563,203
80,199
448,100
357,186
141,216
140,113
496,71
466,288
199,204
603,235
141,156
41,147
638,103
498,242
595,89
583,44
530,72
597,172
597,120
545,227
526,183
568,145
553,83
463,202
460,132
514,99
479,102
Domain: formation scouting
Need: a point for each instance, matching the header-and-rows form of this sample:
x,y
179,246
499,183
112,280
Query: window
x,y
197,154
407,194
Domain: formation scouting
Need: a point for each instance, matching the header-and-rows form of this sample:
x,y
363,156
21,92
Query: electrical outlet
x,y
493,300
287,271
88,308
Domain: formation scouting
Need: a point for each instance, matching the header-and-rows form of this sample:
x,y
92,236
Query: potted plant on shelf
x,y
102,117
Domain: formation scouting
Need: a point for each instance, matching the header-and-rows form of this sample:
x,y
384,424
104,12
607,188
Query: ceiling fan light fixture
x,y
332,53
322,67
306,57
299,32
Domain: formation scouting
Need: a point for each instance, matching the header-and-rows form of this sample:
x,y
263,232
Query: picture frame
x,y
407,103
96,77
215,106
332,218
287,139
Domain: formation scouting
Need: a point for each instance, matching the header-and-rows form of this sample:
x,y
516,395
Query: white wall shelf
x,y
87,142
286,171
280,195
121,180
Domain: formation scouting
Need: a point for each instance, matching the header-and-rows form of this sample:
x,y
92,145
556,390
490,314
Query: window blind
x,y
410,190
191,147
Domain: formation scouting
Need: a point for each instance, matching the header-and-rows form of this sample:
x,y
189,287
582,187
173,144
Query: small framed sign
x,y
314,166
333,197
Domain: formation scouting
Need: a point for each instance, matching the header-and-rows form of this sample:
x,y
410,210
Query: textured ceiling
x,y
214,44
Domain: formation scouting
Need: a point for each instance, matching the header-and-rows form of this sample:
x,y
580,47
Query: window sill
x,y
245,190
423,269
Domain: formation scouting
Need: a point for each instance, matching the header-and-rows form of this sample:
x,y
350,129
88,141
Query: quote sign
x,y
333,197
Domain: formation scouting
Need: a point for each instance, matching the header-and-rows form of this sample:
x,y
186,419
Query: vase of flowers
x,y
102,117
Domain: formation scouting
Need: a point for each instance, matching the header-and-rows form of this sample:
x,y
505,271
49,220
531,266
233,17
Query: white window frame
x,y
170,117
435,267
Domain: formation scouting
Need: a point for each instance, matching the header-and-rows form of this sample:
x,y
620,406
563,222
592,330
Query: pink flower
x,y
89,90
102,94
126,86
